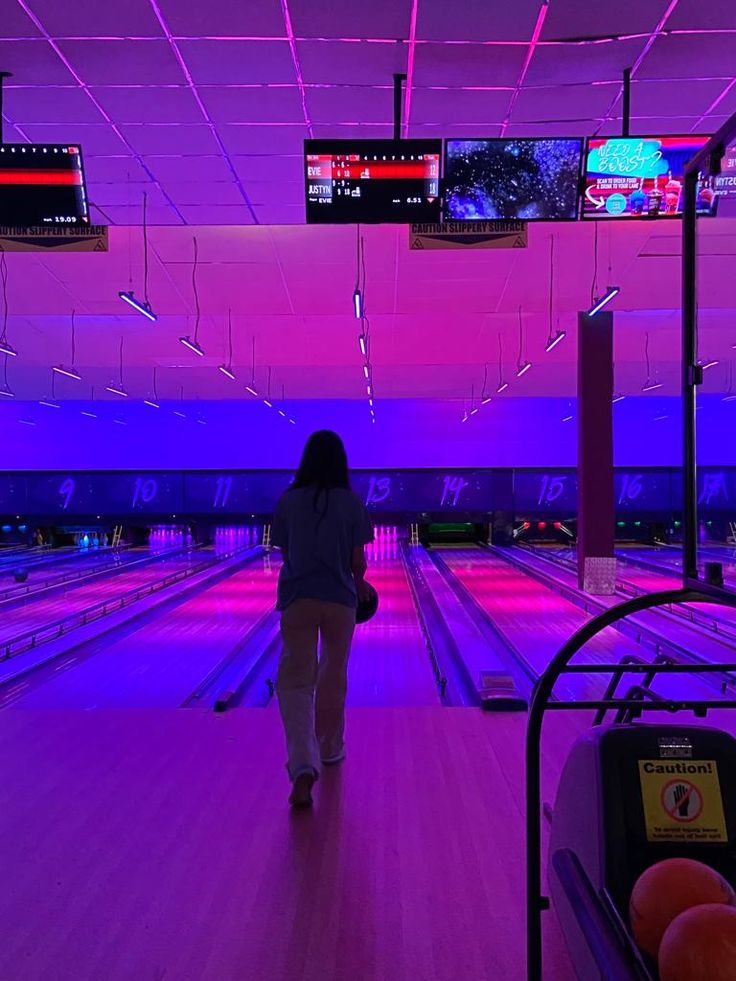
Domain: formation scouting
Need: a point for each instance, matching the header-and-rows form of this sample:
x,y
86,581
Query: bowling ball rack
x,y
602,925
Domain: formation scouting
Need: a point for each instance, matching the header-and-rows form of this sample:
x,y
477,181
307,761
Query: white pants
x,y
314,723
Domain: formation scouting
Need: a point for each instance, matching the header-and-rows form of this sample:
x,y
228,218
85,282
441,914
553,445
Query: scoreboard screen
x,y
388,181
42,184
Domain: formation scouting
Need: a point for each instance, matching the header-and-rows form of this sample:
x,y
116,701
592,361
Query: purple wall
x,y
510,432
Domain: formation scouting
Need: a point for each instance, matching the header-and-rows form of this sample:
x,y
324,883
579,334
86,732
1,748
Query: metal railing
x,y
52,631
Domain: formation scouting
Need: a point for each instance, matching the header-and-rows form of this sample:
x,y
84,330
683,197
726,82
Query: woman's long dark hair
x,y
324,462
324,466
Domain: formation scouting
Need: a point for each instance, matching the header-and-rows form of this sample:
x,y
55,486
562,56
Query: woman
x,y
321,528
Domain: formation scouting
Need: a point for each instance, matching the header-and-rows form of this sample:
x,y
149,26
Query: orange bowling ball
x,y
665,890
700,945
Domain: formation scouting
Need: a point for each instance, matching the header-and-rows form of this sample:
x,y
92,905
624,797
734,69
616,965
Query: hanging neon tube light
x,y
193,345
138,305
67,372
554,341
7,348
610,293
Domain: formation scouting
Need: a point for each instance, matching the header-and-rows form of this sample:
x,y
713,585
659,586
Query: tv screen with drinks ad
x,y
641,177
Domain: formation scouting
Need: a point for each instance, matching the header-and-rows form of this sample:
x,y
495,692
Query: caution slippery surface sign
x,y
54,238
682,800
468,235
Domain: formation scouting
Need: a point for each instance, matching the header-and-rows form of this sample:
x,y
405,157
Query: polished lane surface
x,y
160,661
45,610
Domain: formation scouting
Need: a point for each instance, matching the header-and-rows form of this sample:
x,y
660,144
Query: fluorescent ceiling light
x,y
485,400
604,300
7,348
138,305
554,341
502,387
522,369
192,345
249,388
361,342
152,403
67,372
709,364
358,304
650,386
617,398
227,371
49,404
7,392
117,391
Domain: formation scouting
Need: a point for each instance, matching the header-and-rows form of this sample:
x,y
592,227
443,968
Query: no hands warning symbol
x,y
682,800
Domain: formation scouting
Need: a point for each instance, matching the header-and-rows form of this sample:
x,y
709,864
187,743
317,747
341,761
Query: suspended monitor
x,y
389,181
42,184
641,177
514,179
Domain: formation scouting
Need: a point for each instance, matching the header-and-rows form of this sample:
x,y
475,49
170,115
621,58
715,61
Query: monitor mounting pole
x,y
399,80
3,76
626,121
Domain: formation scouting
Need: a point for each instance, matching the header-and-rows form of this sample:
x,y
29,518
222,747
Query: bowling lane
x,y
670,558
45,610
389,661
160,660
536,619
80,563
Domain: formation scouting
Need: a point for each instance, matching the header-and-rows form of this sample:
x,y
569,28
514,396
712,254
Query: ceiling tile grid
x,y
205,108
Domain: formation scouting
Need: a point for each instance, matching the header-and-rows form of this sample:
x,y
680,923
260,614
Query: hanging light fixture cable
x,y
6,347
560,335
193,343
522,365
502,385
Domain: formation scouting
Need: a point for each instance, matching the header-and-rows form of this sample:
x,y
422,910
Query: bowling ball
x,y
367,609
700,945
665,890
20,575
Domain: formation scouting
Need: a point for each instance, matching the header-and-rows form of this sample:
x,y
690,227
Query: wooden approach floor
x,y
155,845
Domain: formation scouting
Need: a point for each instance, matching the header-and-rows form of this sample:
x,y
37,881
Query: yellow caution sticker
x,y
682,800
